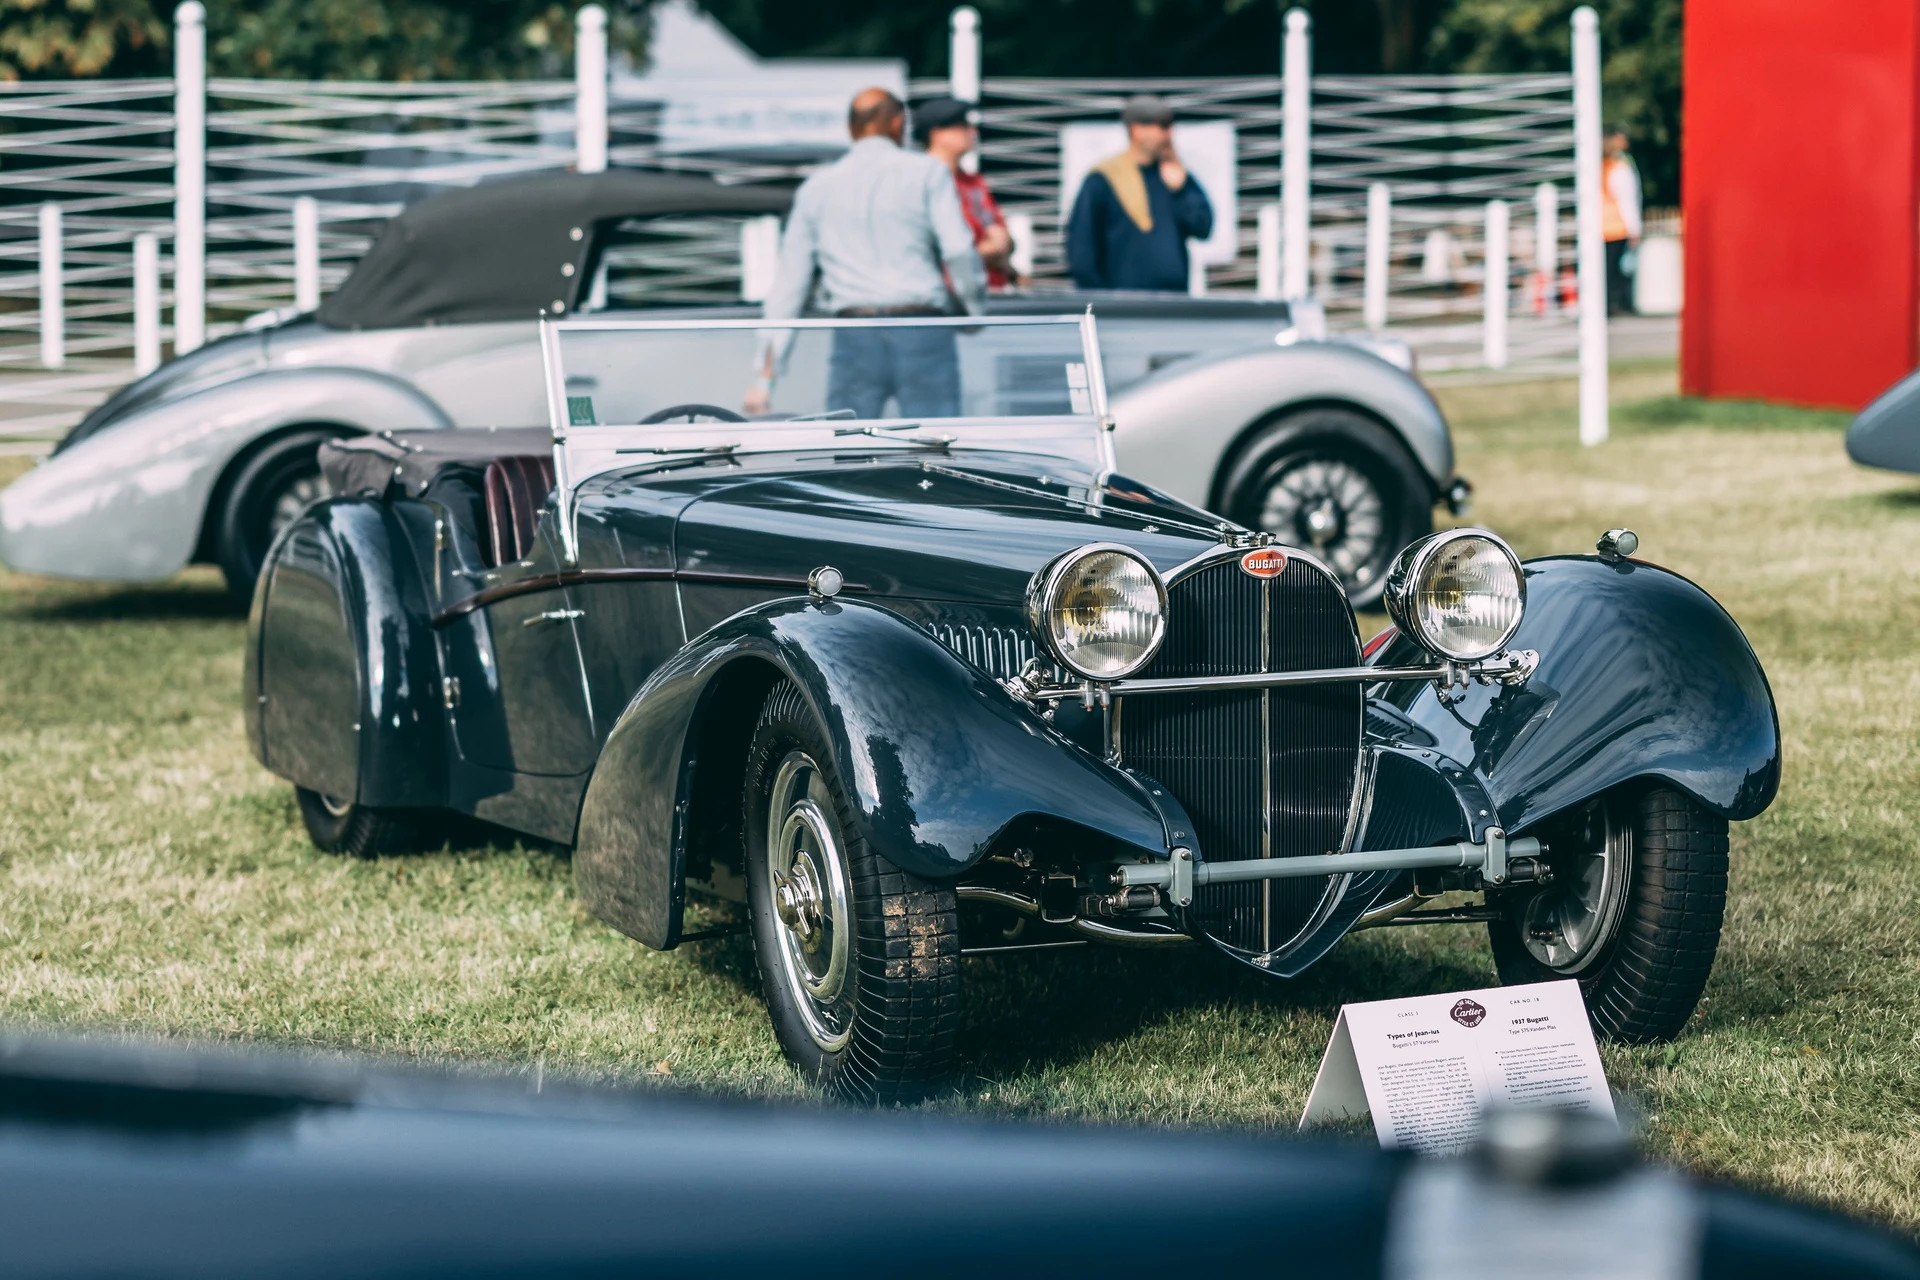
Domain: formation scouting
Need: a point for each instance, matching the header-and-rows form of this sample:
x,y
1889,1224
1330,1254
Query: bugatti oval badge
x,y
1264,562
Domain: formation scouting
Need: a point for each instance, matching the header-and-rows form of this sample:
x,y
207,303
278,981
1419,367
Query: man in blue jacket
x,y
1137,210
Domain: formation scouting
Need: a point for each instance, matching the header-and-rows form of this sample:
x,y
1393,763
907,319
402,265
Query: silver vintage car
x,y
1242,406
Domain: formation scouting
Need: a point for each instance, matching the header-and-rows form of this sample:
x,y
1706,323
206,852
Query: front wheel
x,y
269,491
1633,911
860,960
1336,483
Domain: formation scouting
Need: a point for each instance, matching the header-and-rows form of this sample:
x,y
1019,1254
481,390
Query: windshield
x,y
883,370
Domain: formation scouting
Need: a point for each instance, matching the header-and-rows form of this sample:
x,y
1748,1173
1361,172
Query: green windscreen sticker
x,y
580,411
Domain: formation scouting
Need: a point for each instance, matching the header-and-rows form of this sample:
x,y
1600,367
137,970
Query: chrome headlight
x,y
1458,594
1101,609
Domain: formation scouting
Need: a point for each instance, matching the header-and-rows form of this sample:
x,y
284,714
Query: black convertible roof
x,y
514,247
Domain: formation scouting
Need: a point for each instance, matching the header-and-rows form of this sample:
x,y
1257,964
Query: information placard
x,y
1429,1067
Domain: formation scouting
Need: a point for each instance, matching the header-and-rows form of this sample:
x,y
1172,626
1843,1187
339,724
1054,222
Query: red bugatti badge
x,y
1265,562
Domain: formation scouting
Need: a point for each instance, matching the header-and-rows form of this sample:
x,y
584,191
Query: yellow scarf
x,y
1122,173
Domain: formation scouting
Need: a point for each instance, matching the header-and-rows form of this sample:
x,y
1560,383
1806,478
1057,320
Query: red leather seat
x,y
516,489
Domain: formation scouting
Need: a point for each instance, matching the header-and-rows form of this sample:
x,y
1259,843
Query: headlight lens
x,y
1102,611
1459,593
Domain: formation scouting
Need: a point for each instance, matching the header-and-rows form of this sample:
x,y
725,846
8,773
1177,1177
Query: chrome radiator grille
x,y
1262,773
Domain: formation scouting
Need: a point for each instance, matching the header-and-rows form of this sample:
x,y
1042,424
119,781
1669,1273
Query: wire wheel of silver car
x,y
1632,910
860,961
266,492
1333,482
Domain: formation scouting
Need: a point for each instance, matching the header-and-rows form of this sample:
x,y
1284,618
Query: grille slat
x,y
1296,778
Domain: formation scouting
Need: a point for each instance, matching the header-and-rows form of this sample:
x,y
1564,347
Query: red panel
x,y
1802,227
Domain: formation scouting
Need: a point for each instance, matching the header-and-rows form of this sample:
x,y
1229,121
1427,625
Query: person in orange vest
x,y
1619,220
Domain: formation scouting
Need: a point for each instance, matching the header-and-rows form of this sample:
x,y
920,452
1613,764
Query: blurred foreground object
x,y
139,1160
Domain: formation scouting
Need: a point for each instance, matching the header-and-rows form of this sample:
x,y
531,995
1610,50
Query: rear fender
x,y
938,760
342,675
1642,676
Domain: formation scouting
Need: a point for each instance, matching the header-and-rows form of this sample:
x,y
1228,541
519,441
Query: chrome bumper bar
x,y
1512,667
1181,873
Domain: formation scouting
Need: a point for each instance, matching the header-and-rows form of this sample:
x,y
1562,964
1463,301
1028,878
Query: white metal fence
x,y
297,177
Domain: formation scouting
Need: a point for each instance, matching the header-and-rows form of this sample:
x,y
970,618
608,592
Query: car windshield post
x,y
618,388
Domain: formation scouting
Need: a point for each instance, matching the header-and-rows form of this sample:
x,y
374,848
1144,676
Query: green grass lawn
x,y
153,878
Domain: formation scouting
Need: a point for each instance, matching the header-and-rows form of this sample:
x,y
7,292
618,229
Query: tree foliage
x,y
67,38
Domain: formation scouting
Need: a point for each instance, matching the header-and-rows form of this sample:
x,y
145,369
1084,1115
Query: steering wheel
x,y
692,410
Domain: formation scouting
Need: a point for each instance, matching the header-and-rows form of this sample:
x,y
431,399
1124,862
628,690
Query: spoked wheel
x,y
860,961
1336,483
269,492
341,826
1633,911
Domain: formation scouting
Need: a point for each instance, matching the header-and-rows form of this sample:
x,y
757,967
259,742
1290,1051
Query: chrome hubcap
x,y
1332,508
1566,925
306,489
812,900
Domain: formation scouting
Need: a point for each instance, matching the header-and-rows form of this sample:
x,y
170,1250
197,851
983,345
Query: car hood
x,y
218,361
960,527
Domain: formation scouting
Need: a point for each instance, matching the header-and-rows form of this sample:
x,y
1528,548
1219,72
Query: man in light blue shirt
x,y
878,232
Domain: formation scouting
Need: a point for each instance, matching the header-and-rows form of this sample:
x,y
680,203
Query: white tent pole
x,y
306,253
1020,227
53,289
590,89
1546,239
189,176
1379,255
1296,147
1493,288
1592,252
146,303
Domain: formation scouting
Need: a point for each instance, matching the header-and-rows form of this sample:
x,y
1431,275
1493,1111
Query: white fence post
x,y
1379,255
963,54
1266,251
1591,251
189,176
1546,235
1020,229
759,257
590,89
146,303
53,289
1493,288
306,254
1296,147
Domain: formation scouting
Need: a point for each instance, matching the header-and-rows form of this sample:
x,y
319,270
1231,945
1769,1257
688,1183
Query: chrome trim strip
x,y
1266,760
1465,854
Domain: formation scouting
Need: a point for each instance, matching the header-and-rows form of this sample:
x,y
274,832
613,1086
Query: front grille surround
x,y
1262,773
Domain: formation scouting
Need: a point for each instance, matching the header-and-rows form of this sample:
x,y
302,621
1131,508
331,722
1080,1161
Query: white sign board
x,y
1429,1067
1205,147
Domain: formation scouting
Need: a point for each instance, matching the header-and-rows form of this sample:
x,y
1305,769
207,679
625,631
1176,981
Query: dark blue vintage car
x,y
914,676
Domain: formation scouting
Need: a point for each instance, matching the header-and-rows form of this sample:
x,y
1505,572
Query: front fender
x,y
937,758
1179,425
128,502
1642,675
1887,432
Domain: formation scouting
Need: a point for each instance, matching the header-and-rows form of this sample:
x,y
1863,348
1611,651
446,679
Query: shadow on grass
x,y
1898,501
184,602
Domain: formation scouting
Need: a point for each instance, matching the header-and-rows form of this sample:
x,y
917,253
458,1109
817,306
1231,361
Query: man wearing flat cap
x,y
945,125
1137,210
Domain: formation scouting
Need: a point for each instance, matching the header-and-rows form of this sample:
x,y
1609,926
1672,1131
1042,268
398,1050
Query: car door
x,y
522,702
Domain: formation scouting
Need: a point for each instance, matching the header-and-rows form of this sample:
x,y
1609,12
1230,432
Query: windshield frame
x,y
581,452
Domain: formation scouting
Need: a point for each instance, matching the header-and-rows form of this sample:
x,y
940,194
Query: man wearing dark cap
x,y
946,126
1137,210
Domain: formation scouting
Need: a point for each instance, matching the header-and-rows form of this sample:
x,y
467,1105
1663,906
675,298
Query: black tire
x,y
1643,976
882,1029
337,826
268,491
1336,483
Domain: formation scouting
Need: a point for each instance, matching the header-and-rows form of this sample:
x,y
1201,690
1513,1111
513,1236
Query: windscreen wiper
x,y
880,433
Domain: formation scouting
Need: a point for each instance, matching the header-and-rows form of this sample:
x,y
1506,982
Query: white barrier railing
x,y
249,195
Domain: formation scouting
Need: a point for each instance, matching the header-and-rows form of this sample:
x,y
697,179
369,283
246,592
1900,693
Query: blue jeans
x,y
916,366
